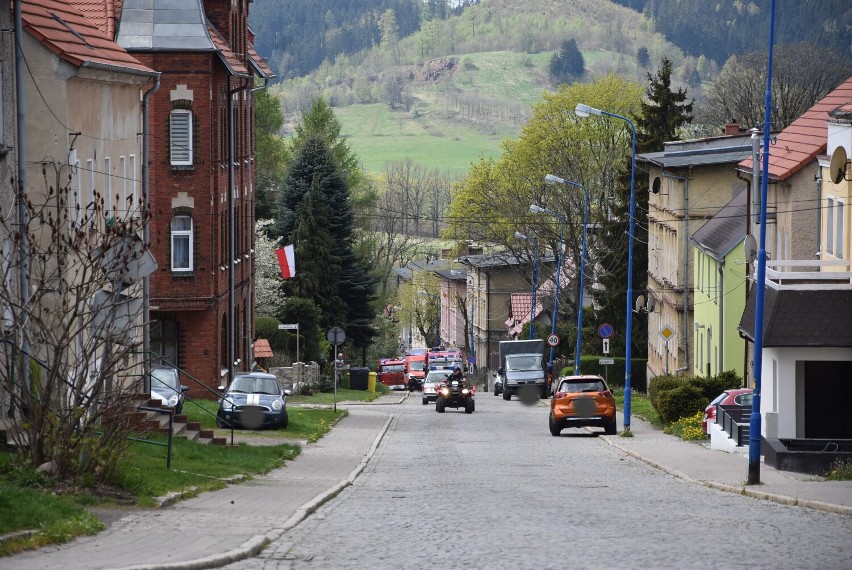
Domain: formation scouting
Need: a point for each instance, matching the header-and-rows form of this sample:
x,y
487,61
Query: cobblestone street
x,y
495,490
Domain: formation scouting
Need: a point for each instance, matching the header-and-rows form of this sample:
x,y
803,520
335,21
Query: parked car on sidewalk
x,y
430,385
582,401
735,397
166,387
253,400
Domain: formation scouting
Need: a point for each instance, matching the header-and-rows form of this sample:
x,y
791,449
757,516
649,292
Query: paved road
x,y
495,490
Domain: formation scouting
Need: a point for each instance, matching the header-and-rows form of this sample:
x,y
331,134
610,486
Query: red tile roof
x,y
229,58
65,31
259,62
262,348
805,138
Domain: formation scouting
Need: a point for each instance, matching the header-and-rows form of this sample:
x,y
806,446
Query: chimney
x,y
732,128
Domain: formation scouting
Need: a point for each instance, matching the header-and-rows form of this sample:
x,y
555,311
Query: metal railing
x,y
735,420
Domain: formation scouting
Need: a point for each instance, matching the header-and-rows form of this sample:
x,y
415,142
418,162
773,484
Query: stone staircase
x,y
151,421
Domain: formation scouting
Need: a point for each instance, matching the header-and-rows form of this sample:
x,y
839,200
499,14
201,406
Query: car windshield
x,y
745,399
718,398
254,385
164,378
393,368
437,378
525,362
582,386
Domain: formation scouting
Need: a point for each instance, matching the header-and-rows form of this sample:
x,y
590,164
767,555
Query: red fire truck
x,y
391,372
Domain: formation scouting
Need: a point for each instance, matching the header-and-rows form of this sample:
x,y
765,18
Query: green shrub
x,y
662,384
712,386
680,402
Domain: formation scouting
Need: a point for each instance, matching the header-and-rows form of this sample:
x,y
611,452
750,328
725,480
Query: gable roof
x,y
725,230
804,139
65,31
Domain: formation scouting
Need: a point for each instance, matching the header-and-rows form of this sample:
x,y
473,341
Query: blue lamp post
x,y
551,179
539,210
583,111
519,235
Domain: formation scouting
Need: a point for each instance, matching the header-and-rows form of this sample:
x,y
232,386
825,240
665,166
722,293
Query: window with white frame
x,y
840,209
122,207
180,137
132,200
108,187
829,230
90,191
78,203
181,230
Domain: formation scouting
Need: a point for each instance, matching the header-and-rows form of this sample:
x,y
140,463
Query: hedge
x,y
613,373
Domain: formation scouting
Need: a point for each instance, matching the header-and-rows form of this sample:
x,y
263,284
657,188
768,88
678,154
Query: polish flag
x,y
286,261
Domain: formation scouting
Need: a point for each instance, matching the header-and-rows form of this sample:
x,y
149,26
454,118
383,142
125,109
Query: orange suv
x,y
582,401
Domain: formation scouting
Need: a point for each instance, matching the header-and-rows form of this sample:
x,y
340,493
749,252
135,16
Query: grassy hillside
x,y
470,81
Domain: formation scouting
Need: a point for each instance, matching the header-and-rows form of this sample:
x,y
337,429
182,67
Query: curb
x,y
738,490
257,543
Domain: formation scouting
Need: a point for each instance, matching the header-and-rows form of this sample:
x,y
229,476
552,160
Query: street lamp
x,y
584,111
437,315
519,235
551,179
539,210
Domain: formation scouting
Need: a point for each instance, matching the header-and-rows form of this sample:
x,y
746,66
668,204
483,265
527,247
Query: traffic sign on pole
x,y
606,330
553,340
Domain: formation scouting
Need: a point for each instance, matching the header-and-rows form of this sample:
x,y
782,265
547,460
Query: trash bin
x,y
358,378
371,382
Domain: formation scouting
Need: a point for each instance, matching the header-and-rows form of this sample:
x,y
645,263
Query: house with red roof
x,y
201,172
807,309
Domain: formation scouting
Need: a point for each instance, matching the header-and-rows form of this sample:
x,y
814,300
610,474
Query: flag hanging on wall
x,y
286,261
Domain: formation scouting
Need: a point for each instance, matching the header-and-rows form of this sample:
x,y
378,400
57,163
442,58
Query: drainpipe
x,y
23,218
232,247
146,230
755,175
685,180
721,292
818,179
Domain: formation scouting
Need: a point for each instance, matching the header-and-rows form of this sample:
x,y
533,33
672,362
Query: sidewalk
x,y
697,463
231,524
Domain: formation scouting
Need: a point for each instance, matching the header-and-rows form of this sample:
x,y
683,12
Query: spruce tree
x,y
663,113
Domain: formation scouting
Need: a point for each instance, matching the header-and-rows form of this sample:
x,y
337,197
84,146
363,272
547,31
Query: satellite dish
x,y
652,304
656,184
640,303
750,248
837,166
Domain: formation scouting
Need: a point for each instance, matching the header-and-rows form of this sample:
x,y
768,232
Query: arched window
x,y
180,139
181,243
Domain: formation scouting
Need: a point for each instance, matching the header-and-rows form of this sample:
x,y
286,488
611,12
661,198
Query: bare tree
x,y
802,74
72,322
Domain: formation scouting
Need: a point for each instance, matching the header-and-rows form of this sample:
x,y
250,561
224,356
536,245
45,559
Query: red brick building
x,y
200,173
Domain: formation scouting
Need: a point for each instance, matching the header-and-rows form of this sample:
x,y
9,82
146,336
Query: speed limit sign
x,y
553,340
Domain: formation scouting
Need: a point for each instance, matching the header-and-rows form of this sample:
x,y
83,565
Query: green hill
x,y
452,91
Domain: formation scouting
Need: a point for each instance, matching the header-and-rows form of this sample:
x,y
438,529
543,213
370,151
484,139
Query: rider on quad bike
x,y
455,392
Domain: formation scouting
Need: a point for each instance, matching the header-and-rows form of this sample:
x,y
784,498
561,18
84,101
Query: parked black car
x,y
253,400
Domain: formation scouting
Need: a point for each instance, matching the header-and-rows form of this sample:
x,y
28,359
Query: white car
x,y
433,379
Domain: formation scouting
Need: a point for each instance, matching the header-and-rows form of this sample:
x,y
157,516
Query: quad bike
x,y
455,394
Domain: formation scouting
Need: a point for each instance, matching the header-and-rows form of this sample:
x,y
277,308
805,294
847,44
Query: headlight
x,y
173,400
465,391
277,405
227,406
445,391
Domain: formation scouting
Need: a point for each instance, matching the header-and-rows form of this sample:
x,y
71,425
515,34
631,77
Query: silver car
x,y
430,384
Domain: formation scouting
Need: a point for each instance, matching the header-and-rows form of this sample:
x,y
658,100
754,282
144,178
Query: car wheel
x,y
469,406
610,428
440,405
220,423
425,401
555,430
506,395
285,420
496,393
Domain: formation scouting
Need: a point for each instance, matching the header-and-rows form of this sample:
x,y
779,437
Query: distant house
x,y
689,181
720,290
454,314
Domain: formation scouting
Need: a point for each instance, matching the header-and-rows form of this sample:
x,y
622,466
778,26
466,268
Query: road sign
x,y
606,346
606,361
605,330
667,333
336,335
553,340
294,327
